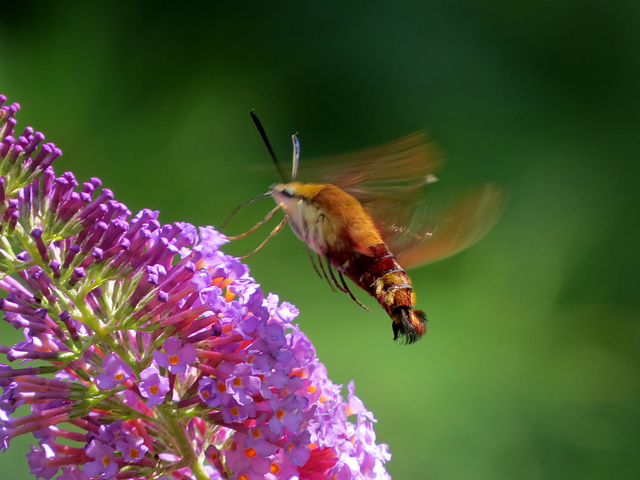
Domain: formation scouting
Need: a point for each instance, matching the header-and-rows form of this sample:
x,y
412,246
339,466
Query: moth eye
x,y
289,191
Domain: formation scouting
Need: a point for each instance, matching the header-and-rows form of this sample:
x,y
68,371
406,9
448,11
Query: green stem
x,y
189,457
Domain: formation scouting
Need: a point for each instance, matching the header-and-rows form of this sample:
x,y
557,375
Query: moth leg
x,y
343,287
346,289
268,217
313,262
324,273
334,280
273,233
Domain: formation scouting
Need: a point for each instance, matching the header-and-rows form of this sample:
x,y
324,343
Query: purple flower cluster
x,y
147,351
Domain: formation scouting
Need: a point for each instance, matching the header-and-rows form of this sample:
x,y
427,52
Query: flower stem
x,y
175,429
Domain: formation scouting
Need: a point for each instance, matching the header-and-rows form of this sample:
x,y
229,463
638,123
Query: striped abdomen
x,y
335,225
386,281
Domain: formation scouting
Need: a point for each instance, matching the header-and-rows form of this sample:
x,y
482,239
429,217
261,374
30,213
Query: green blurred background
x,y
530,367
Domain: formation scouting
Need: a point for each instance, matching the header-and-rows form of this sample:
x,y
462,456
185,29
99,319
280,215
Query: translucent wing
x,y
390,169
390,180
438,226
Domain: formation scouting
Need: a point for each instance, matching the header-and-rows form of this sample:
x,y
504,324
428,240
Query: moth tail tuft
x,y
408,324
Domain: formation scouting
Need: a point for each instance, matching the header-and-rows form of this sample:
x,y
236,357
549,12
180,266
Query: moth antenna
x,y
267,217
273,233
235,210
296,157
267,144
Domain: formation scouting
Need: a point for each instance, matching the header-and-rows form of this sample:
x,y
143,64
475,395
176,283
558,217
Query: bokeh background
x,y
530,368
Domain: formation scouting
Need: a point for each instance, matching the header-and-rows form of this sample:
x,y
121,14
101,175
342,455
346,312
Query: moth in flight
x,y
366,217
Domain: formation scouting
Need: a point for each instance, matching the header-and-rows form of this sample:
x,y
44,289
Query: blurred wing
x,y
435,229
391,169
388,181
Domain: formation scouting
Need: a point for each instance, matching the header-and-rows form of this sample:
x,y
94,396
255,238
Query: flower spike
x,y
148,352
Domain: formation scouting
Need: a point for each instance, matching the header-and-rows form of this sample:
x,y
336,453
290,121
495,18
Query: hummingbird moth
x,y
365,217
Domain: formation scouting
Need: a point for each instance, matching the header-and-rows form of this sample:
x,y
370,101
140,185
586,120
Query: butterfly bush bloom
x,y
147,351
